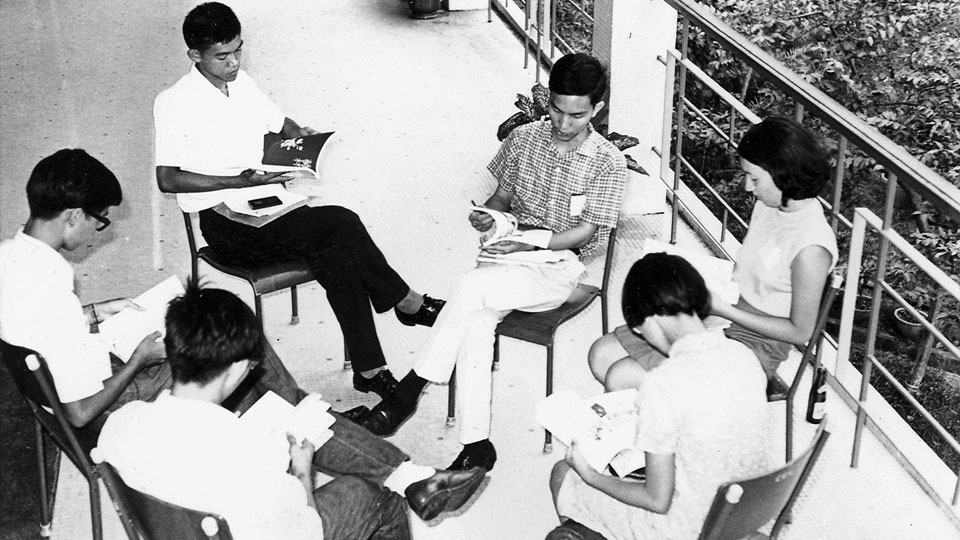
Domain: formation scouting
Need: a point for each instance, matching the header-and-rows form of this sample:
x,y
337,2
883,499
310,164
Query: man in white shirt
x,y
70,194
186,449
210,126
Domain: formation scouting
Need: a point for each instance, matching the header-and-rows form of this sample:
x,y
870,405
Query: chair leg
x,y
294,311
347,363
496,352
547,436
45,517
452,399
96,520
258,308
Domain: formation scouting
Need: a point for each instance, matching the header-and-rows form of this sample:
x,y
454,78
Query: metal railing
x,y
892,166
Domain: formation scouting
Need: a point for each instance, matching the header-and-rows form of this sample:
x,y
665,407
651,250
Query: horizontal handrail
x,y
924,180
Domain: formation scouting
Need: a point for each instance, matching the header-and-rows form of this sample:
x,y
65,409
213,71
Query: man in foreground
x,y
186,449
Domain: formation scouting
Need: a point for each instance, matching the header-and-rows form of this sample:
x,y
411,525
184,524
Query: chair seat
x,y
539,327
264,278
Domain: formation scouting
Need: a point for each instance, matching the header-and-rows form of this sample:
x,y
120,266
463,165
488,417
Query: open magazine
x,y
309,420
125,330
605,426
505,227
298,157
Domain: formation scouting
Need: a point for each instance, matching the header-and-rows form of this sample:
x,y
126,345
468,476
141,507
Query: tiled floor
x,y
416,105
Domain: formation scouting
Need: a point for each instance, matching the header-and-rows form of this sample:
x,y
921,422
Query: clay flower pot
x,y
424,9
906,324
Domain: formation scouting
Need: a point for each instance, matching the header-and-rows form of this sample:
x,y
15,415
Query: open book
x,y
605,426
309,420
505,227
237,204
125,330
295,157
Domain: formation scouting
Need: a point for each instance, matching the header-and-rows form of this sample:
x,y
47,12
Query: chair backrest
x,y
155,519
740,508
605,281
32,378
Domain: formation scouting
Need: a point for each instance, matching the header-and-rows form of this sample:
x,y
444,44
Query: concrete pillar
x,y
628,35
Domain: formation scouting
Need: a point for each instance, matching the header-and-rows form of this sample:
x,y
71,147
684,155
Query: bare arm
x,y
83,411
176,180
809,271
655,494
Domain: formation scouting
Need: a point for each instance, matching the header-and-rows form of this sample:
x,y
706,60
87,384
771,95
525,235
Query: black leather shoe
x,y
386,417
443,492
425,316
571,530
481,455
383,384
357,414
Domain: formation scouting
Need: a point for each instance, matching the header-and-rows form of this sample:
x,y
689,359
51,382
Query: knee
x,y
342,215
623,374
603,353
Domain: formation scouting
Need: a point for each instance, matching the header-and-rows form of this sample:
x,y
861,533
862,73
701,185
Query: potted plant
x,y
534,107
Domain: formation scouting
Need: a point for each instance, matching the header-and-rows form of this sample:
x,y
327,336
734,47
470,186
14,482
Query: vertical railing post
x,y
678,111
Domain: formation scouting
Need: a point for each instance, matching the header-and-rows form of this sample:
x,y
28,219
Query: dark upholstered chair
x,y
32,378
154,519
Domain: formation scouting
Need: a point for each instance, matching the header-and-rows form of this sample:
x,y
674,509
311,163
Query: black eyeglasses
x,y
104,222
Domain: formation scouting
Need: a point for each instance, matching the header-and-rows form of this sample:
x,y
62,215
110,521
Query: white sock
x,y
407,473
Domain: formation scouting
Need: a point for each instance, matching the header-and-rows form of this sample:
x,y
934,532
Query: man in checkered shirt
x,y
559,175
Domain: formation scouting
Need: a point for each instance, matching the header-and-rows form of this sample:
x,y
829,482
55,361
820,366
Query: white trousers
x,y
463,333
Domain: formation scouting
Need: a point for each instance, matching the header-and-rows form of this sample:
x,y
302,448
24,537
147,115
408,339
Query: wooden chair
x,y
263,278
741,508
32,378
150,518
541,328
811,353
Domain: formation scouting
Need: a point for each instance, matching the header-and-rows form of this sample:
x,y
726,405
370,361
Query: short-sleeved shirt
x,y
773,241
202,130
40,310
197,454
706,405
547,185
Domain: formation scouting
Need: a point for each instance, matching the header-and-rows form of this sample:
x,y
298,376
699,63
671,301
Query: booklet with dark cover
x,y
298,157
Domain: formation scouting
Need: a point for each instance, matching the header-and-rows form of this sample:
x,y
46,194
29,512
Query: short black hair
x,y
793,157
208,24
663,284
579,74
71,178
207,331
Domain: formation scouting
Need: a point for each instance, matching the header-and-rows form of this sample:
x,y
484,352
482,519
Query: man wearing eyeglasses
x,y
70,194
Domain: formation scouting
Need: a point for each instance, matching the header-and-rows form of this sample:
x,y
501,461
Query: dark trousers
x,y
343,258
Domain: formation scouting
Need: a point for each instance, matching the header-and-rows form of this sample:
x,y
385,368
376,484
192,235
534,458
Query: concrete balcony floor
x,y
416,105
